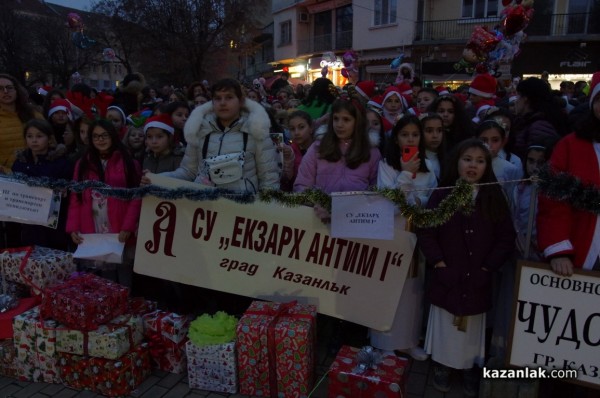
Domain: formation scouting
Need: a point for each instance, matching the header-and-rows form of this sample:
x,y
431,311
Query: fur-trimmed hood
x,y
254,119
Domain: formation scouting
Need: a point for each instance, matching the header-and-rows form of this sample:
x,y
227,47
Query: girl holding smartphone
x,y
405,166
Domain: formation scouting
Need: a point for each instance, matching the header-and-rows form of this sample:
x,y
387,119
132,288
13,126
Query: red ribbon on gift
x,y
276,313
156,341
28,250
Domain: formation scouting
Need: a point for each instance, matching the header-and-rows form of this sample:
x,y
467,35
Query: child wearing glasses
x,y
91,211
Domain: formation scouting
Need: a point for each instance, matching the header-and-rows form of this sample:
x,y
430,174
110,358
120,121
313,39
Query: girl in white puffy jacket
x,y
229,145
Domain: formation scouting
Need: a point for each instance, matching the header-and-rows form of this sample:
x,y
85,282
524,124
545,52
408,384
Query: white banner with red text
x,y
271,252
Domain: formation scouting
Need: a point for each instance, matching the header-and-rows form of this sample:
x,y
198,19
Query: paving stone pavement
x,y
169,385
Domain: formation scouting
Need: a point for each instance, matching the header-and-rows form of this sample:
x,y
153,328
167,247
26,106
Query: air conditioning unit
x,y
303,17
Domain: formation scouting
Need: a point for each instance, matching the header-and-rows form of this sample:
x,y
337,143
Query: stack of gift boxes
x,y
89,335
26,271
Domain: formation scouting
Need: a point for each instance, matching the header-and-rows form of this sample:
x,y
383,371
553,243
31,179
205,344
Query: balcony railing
x,y
337,41
541,25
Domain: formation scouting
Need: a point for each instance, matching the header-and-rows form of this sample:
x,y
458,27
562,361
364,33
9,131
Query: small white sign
x,y
365,215
28,205
103,247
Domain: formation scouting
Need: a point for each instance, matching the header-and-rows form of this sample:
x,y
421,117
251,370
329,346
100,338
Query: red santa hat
x,y
405,88
121,112
376,102
441,90
461,97
162,121
366,88
394,90
482,106
594,87
60,105
44,90
483,85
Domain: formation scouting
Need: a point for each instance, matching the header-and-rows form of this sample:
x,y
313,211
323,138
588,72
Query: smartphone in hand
x,y
408,151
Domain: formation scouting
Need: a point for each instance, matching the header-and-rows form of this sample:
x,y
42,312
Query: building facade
x,y
563,37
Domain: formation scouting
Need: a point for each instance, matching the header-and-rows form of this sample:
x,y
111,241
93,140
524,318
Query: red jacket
x,y
123,215
562,229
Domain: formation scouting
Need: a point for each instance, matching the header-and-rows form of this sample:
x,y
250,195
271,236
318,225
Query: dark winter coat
x,y
467,244
162,164
532,129
53,166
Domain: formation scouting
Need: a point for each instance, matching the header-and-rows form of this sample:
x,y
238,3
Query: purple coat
x,y
466,243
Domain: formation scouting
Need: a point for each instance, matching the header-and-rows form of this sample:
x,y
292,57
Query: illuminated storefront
x,y
334,70
570,61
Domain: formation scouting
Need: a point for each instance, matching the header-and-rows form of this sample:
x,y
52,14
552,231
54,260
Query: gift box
x,y
275,349
367,375
6,318
35,341
110,340
141,306
8,358
167,334
37,267
14,289
106,376
85,302
212,367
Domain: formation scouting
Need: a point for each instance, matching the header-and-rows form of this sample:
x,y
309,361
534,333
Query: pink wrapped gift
x,y
212,367
85,302
167,334
37,267
35,341
275,349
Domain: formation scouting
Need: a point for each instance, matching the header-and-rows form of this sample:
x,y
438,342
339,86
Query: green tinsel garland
x,y
459,199
567,188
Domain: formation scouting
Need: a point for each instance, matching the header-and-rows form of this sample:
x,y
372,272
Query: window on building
x,y
479,8
285,30
343,27
385,12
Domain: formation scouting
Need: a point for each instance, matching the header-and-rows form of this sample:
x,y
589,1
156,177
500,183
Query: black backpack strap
x,y
245,141
205,146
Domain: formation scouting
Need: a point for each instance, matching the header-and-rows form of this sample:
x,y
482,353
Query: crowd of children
x,y
347,139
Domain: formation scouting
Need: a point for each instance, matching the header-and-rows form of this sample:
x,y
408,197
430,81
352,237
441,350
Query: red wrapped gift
x,y
167,334
6,318
85,302
351,377
104,376
275,349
